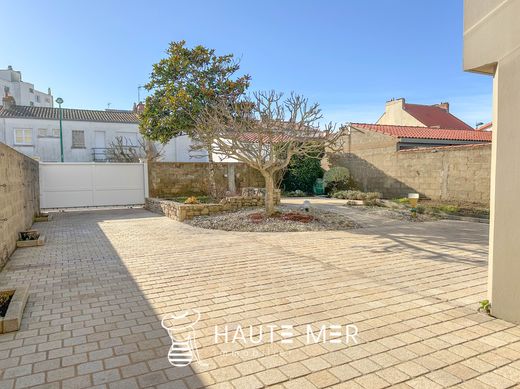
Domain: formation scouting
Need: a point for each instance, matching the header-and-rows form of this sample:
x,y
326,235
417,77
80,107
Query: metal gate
x,y
90,184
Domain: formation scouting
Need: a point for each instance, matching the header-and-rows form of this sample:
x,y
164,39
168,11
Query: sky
x,y
350,56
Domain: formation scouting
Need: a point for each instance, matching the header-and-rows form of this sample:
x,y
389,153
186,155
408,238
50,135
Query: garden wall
x,y
454,173
180,211
172,179
19,197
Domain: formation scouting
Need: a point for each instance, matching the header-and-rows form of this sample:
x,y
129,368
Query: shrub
x,y
336,179
295,193
302,173
357,195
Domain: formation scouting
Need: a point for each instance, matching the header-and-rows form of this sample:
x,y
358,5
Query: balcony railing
x,y
104,154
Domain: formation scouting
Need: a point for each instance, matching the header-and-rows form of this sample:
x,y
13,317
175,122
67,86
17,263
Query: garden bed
x,y
12,305
287,219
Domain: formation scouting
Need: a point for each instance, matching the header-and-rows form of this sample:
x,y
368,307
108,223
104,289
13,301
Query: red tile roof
x,y
434,116
426,132
485,127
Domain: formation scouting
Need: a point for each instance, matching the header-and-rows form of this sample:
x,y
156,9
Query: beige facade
x,y
395,114
492,46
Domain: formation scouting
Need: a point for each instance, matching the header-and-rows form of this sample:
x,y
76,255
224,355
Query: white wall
x,y
47,148
21,91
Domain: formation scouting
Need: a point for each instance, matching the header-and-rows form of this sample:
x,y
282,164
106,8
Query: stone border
x,y
180,211
13,317
31,243
43,217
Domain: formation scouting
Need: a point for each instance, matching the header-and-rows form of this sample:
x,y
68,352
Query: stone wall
x,y
19,197
171,179
455,173
179,211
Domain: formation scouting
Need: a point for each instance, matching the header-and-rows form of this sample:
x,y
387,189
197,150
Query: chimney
x,y
398,102
445,106
8,101
139,107
49,91
9,67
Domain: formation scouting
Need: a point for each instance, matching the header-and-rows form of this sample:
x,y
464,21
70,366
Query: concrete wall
x,y
458,173
492,46
168,179
19,197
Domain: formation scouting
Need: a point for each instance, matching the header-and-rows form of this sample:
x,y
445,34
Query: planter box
x,y
13,317
31,243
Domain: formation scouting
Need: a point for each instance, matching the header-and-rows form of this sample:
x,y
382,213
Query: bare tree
x,y
265,131
120,151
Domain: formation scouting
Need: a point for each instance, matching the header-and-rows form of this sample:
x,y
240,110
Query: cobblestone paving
x,y
104,278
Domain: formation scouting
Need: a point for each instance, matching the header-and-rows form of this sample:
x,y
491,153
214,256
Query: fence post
x,y
145,177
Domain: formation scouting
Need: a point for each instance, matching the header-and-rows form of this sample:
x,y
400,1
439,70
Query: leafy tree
x,y
302,172
187,81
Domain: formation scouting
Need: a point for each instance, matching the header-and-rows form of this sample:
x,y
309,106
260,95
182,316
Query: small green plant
x,y
448,208
420,209
295,193
357,195
485,306
402,200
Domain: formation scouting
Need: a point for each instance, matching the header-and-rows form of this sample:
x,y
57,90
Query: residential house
x,y
23,92
35,131
399,112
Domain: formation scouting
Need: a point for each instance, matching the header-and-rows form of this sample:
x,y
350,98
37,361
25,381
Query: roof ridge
x,y
418,127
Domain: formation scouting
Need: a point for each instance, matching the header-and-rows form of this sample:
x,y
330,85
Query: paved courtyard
x,y
104,279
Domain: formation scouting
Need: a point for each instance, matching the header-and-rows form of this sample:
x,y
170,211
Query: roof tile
x,y
426,132
434,116
85,115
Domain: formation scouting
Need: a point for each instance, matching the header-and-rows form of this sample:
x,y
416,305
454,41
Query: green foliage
x,y
421,209
485,306
448,208
295,193
337,178
302,173
183,83
402,200
357,195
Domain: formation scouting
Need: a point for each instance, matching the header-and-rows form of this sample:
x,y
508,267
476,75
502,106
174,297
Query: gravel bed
x,y
241,221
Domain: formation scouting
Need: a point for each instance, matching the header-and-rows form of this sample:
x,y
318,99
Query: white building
x,y
23,92
35,131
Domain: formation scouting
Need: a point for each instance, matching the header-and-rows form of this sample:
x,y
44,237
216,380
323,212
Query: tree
x,y
120,151
265,131
184,83
302,173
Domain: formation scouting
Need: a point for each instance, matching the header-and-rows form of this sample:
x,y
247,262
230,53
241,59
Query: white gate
x,y
90,184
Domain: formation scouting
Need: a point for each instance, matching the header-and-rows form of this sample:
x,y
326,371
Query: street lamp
x,y
59,100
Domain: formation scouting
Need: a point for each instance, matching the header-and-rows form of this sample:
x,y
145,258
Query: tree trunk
x,y
269,194
211,175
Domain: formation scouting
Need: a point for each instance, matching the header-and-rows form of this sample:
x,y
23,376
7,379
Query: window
x,y
23,136
78,139
37,98
42,132
56,132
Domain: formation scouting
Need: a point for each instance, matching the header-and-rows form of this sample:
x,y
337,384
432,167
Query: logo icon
x,y
183,350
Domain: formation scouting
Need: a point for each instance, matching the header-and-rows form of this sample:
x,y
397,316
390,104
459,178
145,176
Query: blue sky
x,y
350,56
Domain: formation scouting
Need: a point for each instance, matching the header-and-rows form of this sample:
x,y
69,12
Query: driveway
x,y
104,279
